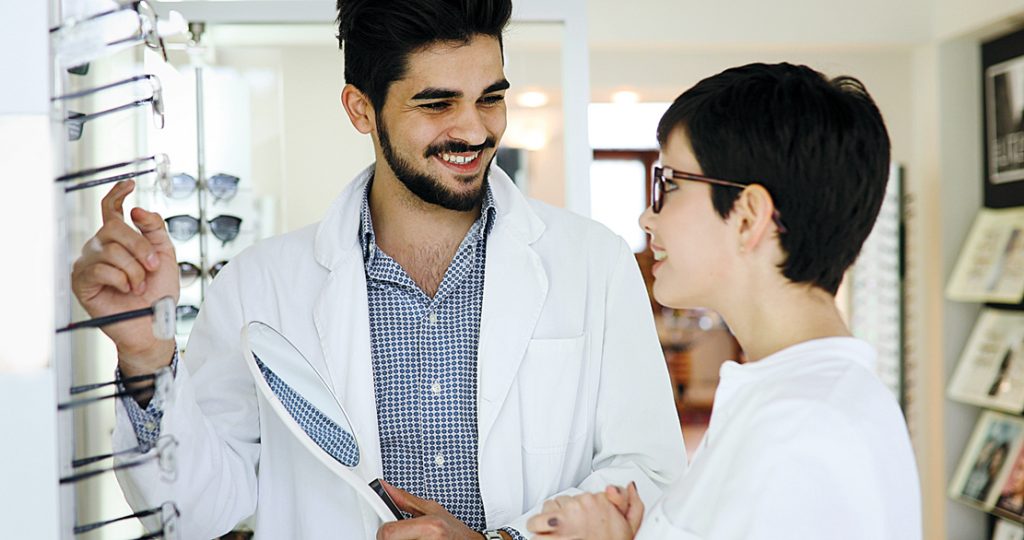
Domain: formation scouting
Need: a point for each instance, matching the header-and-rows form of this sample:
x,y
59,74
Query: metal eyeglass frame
x,y
168,511
146,33
161,167
76,121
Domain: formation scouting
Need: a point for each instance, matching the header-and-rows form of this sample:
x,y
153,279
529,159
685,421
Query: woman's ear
x,y
360,110
753,211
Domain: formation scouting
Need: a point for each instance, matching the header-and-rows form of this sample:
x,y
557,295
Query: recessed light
x,y
625,97
532,99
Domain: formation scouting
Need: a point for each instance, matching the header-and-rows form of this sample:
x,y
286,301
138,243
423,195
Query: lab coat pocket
x,y
549,387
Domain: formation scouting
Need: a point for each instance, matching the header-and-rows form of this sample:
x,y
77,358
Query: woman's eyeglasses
x,y
663,180
160,167
180,186
189,273
183,227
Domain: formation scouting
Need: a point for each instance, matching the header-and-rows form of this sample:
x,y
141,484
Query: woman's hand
x,y
613,515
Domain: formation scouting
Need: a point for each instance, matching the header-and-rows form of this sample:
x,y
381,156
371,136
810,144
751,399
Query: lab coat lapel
x,y
342,320
515,287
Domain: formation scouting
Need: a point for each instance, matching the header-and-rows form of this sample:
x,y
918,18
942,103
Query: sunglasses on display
x,y
75,121
183,227
81,41
222,186
168,513
664,180
187,312
160,167
189,273
165,456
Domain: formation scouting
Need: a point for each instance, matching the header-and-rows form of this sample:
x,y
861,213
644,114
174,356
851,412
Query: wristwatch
x,y
492,534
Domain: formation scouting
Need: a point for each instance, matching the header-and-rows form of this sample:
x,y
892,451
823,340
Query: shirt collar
x,y
368,240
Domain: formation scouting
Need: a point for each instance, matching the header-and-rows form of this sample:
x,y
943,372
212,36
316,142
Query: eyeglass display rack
x,y
89,155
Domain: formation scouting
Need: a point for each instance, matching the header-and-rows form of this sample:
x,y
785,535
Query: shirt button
x,y
439,460
150,426
432,318
436,388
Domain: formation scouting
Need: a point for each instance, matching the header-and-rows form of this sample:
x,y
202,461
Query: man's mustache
x,y
457,147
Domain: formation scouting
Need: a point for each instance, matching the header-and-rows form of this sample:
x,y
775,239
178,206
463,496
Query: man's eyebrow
x,y
437,93
500,85
446,93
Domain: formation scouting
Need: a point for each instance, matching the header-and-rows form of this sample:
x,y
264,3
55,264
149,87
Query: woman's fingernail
x,y
553,522
153,260
142,287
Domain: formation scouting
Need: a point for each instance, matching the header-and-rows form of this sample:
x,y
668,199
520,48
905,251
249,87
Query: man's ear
x,y
754,210
360,110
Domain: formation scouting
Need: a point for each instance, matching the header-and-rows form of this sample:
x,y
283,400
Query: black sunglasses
x,y
183,227
189,273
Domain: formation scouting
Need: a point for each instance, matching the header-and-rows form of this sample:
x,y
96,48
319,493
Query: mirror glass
x,y
303,393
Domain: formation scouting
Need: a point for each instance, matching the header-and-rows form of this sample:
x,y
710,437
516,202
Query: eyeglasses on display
x,y
84,40
663,180
75,121
153,81
165,456
189,273
140,449
168,513
162,312
160,167
183,227
222,186
161,384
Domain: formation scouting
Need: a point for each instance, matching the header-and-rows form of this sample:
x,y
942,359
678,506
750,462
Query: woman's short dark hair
x,y
377,36
818,145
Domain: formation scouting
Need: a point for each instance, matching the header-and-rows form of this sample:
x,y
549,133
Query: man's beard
x,y
430,189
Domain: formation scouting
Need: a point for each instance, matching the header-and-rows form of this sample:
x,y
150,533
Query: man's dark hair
x,y
377,36
819,146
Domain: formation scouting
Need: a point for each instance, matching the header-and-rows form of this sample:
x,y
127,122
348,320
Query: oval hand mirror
x,y
304,402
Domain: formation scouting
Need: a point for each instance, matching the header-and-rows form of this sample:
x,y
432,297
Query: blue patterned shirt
x,y
424,354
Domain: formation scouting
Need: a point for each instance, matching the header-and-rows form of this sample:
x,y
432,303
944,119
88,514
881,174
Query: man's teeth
x,y
460,160
659,255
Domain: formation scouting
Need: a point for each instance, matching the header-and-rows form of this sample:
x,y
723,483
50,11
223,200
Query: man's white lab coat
x,y
573,390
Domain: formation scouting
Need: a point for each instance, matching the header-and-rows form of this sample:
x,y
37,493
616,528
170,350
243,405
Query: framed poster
x,y
995,443
1003,83
990,372
990,267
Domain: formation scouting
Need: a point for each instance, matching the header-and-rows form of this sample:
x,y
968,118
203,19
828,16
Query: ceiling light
x,y
625,97
532,99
